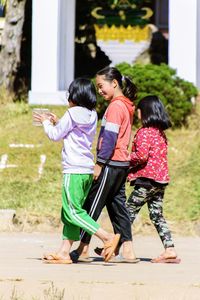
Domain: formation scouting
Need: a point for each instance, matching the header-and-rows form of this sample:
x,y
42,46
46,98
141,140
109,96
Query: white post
x,y
184,46
51,57
198,44
67,42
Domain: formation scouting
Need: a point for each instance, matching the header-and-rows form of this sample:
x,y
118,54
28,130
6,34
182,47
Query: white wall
x,y
183,38
52,61
198,44
67,43
53,26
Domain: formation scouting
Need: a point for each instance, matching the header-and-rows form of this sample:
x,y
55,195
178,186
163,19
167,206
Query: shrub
x,y
175,93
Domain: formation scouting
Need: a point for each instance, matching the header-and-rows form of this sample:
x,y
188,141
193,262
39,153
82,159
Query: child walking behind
x,y
77,129
149,172
110,173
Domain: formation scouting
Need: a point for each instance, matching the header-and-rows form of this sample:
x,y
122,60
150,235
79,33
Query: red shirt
x,y
149,155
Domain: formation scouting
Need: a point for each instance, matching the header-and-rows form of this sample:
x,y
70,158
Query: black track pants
x,y
109,191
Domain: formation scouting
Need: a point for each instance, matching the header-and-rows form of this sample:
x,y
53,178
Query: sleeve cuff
x,y
46,122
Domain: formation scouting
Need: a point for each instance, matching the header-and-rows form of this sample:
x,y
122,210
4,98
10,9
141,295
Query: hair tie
x,y
123,77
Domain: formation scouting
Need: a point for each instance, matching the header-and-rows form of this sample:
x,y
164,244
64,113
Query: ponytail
x,y
129,89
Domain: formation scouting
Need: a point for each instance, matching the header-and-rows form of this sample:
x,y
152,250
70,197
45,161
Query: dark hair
x,y
128,87
82,92
153,113
158,48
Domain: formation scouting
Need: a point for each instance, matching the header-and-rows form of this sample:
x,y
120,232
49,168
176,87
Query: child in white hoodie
x,y
77,129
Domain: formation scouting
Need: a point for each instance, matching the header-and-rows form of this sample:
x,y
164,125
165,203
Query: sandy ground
x,y
24,276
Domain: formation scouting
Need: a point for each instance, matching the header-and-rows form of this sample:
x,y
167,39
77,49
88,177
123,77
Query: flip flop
x,y
49,256
99,251
82,258
120,259
58,261
170,260
53,258
110,247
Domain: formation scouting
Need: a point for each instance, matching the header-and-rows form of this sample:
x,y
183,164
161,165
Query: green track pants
x,y
74,192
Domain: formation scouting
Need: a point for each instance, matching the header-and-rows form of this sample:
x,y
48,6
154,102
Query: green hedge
x,y
162,81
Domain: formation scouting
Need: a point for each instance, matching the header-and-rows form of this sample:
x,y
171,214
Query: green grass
x,y
21,189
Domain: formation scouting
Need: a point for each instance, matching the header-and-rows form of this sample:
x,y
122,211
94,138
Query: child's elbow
x,y
138,159
54,139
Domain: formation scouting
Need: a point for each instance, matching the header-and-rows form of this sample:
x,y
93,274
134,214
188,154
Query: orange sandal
x,y
53,258
109,247
162,259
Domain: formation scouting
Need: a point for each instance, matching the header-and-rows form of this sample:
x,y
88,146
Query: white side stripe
x,y
99,192
74,215
97,197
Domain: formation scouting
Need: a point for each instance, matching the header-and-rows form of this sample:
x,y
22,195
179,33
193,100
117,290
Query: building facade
x,y
53,35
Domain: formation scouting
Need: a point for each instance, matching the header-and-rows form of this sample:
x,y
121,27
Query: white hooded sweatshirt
x,y
77,128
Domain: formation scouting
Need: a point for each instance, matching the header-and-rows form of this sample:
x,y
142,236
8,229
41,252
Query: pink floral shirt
x,y
149,155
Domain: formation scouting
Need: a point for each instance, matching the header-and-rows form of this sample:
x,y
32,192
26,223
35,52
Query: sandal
x,y
99,251
120,259
162,259
53,258
110,247
75,257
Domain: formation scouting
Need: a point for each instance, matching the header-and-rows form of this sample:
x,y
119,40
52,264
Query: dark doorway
x,y
159,44
88,56
23,77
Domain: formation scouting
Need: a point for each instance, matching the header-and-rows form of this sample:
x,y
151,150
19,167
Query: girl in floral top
x,y
149,171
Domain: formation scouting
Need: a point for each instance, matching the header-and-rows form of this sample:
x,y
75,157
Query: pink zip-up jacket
x,y
115,133
149,155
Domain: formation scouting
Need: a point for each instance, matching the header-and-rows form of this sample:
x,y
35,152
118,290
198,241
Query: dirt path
x,y
23,276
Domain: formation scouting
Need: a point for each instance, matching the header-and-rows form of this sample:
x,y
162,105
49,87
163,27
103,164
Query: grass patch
x,y
20,188
31,197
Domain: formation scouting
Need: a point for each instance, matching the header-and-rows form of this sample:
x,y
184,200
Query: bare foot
x,y
127,250
60,255
169,253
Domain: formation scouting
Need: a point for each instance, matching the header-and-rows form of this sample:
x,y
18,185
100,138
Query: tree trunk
x,y
11,43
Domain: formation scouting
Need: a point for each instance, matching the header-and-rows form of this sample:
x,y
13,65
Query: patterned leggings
x,y
154,198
